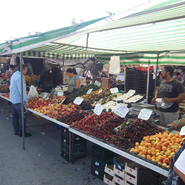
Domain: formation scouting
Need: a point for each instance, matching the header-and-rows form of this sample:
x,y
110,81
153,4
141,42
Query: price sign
x,y
100,91
78,101
145,114
63,100
60,93
131,92
114,90
97,83
45,95
98,109
89,91
121,110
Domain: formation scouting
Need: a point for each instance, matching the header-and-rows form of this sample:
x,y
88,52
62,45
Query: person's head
x,y
177,73
71,72
182,132
168,71
24,69
122,70
12,67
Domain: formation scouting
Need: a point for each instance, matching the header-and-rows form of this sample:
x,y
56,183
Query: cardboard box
x,y
105,83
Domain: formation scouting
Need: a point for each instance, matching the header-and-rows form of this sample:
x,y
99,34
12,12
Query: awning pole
x,y
22,103
156,73
94,68
148,78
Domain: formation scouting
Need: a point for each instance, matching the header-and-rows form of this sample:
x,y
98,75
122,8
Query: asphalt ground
x,y
40,163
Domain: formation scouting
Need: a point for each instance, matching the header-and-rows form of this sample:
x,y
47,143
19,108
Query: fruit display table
x,y
110,147
120,152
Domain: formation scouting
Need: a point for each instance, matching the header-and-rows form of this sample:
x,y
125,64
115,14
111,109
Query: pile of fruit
x,y
36,103
4,88
135,131
72,117
84,105
95,95
159,148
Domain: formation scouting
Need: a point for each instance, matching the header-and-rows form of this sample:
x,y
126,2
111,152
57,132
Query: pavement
x,y
40,163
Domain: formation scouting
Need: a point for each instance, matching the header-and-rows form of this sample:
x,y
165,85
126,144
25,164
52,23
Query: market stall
x,y
155,49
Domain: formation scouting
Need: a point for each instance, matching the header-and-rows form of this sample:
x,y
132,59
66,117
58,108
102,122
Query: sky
x,y
19,17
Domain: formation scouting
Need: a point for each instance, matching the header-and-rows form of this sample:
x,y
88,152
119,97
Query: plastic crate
x,y
97,172
101,154
65,136
146,177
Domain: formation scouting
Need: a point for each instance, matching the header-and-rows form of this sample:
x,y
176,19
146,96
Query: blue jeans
x,y
17,118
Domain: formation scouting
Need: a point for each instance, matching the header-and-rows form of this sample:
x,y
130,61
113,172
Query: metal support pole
x,y
125,78
156,73
94,68
22,103
148,79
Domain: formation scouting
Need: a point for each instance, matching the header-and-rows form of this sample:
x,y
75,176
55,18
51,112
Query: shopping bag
x,y
32,92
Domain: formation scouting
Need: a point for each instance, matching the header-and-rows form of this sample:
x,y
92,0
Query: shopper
x,y
87,74
74,79
15,98
176,174
172,92
177,76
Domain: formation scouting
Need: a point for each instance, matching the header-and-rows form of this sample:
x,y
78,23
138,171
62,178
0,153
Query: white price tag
x,y
63,100
121,110
145,114
131,92
89,91
114,90
78,101
98,109
97,83
60,93
45,95
100,91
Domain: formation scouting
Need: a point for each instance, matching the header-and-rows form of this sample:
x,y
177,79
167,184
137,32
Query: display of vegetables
x,y
83,90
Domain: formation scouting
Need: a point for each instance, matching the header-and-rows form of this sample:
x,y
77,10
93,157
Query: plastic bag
x,y
32,92
159,102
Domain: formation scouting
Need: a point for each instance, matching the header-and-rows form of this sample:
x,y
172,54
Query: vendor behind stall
x,y
74,79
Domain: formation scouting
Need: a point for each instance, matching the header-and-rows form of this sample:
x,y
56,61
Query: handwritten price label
x,y
97,83
145,114
78,101
131,92
98,109
60,93
100,91
89,91
114,90
121,110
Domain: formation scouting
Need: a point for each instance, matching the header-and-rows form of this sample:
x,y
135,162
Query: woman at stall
x,y
74,79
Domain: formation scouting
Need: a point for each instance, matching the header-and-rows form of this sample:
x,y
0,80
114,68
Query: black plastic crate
x,y
79,147
146,177
80,150
97,172
64,132
101,153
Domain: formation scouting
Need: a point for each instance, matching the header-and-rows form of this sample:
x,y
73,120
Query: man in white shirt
x,y
87,74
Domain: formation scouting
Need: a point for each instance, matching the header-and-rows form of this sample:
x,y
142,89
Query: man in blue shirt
x,y
15,98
